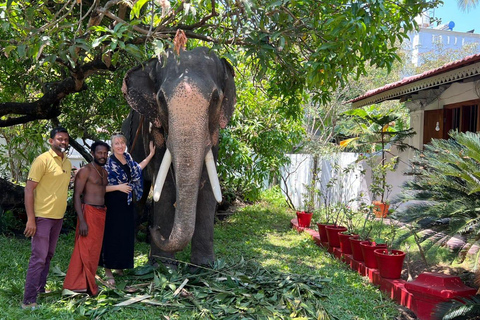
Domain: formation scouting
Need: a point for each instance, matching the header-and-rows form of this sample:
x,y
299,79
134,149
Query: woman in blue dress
x,y
125,183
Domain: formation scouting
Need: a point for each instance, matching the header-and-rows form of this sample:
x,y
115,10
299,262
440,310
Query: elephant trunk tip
x,y
168,245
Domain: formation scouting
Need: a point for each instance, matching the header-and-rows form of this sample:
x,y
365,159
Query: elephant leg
x,y
141,211
202,240
163,216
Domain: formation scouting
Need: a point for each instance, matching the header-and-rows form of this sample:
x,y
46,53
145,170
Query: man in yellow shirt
x,y
45,203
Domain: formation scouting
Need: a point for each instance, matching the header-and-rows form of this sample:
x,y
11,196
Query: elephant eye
x,y
214,101
215,104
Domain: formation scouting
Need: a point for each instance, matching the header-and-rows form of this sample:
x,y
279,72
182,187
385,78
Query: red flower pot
x,y
390,263
304,219
332,234
322,232
356,249
368,255
345,245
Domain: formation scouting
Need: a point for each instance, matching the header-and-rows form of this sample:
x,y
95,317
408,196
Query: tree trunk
x,y
11,196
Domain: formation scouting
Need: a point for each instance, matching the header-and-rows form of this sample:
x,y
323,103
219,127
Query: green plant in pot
x,y
337,199
305,212
378,242
363,233
375,134
390,261
339,210
350,219
310,197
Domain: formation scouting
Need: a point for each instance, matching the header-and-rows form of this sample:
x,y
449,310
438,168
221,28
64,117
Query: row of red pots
x,y
375,256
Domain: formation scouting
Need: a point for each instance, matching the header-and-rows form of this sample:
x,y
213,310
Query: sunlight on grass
x,y
260,233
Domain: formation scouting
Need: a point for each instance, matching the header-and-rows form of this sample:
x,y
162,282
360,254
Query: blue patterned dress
x,y
119,235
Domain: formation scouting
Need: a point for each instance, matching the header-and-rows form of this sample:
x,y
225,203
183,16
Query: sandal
x,y
29,306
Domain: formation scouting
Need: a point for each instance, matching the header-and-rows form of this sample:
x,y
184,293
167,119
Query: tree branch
x,y
48,106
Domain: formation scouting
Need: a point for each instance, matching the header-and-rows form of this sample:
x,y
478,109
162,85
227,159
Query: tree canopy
x,y
50,48
64,61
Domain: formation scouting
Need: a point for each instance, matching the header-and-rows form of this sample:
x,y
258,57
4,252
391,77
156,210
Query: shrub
x,y
447,183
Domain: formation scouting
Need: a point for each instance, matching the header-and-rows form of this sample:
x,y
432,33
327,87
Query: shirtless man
x,y
88,199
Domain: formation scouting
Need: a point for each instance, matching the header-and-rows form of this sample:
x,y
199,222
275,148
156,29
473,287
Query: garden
x,y
264,269
64,63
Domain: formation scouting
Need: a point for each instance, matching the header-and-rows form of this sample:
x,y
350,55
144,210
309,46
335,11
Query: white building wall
x,y
429,39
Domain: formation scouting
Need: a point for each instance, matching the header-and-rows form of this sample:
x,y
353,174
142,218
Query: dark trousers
x,y
44,243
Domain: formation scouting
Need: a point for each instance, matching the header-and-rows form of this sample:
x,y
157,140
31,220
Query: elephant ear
x,y
139,90
229,92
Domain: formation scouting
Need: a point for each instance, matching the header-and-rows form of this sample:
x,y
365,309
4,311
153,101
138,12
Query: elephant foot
x,y
159,262
198,266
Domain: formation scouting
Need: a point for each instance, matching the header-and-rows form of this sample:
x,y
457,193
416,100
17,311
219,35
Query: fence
x,y
339,180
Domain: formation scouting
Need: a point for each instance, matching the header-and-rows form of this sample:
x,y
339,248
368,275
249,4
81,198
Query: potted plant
x,y
344,236
390,261
381,240
322,231
363,234
336,200
378,134
304,218
309,198
368,248
333,230
304,215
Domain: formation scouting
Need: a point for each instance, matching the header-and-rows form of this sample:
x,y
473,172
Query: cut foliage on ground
x,y
264,269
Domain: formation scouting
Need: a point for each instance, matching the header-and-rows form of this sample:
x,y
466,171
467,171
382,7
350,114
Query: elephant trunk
x,y
188,161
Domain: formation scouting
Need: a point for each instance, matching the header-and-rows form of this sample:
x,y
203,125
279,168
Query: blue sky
x,y
464,21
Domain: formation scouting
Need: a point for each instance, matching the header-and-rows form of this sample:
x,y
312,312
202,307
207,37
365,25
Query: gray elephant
x,y
184,99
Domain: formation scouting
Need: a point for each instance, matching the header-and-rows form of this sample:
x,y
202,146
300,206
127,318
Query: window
x,y
462,117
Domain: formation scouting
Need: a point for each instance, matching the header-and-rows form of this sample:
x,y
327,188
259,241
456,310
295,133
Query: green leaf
x,y
98,41
135,13
134,51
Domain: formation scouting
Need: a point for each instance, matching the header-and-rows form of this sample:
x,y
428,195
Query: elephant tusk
x,y
213,176
162,174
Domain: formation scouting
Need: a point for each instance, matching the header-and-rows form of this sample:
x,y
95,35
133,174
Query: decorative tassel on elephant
x,y
185,99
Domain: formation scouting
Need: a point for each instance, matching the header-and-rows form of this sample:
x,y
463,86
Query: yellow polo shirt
x,y
53,176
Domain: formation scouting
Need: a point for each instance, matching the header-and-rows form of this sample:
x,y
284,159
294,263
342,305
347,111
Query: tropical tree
x,y
298,45
376,133
466,5
64,60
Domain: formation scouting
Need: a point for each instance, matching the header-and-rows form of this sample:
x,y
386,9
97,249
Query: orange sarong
x,y
86,254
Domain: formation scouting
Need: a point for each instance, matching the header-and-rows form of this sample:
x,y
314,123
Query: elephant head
x,y
186,98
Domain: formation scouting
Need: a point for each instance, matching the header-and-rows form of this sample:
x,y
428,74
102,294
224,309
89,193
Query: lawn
x,y
264,270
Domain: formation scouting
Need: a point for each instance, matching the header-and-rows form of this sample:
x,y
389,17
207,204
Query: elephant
x,y
180,101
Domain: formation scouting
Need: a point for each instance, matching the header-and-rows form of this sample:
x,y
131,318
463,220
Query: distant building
x,y
430,38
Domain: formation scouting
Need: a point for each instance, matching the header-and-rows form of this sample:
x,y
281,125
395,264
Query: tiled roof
x,y
399,88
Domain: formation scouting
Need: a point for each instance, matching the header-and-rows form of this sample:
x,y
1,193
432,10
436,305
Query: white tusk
x,y
213,176
150,125
162,174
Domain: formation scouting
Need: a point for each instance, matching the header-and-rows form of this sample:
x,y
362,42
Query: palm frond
x,y
460,309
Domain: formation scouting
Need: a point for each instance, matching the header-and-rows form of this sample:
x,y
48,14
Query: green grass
x,y
265,270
